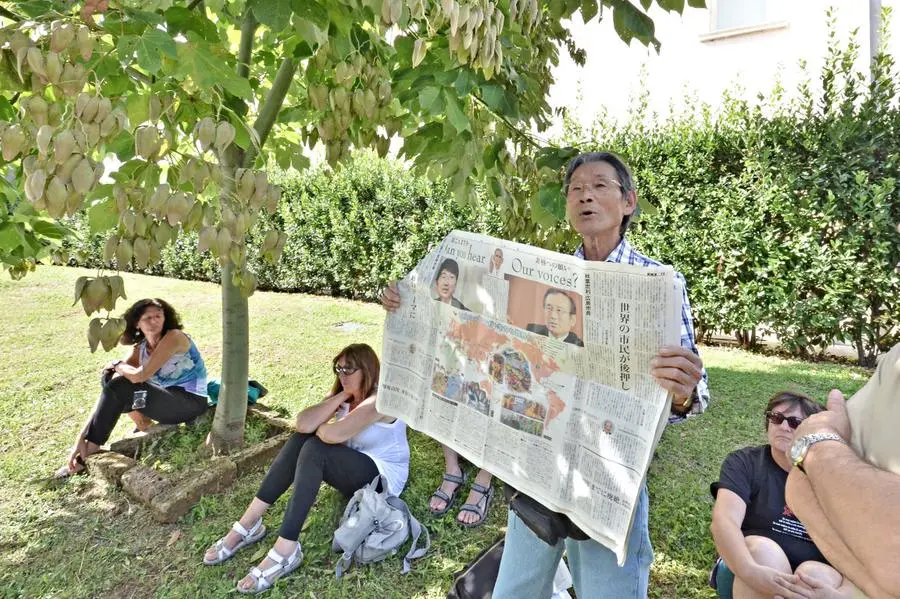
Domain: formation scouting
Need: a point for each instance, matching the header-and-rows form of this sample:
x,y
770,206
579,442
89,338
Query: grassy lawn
x,y
86,539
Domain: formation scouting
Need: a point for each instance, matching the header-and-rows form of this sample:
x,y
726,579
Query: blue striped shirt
x,y
624,253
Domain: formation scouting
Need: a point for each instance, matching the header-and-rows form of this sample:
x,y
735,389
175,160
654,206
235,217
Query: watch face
x,y
798,449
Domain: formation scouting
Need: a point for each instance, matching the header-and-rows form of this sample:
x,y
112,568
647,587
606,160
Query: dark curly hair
x,y
133,315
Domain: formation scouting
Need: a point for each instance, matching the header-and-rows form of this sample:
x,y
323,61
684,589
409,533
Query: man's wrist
x,y
682,405
824,452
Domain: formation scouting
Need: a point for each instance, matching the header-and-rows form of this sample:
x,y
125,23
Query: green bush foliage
x,y
783,215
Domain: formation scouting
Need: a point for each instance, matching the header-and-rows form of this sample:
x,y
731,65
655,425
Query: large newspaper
x,y
535,366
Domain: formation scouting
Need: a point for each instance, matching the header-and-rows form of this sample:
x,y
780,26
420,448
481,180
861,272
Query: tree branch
x,y
5,12
248,28
519,132
271,106
138,75
194,4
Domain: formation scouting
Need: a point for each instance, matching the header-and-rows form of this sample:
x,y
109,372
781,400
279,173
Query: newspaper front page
x,y
536,366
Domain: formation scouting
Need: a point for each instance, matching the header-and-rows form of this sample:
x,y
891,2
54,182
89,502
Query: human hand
x,y
818,589
390,297
833,420
774,583
677,370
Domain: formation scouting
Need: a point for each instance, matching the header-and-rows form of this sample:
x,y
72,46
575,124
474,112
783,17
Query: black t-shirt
x,y
752,474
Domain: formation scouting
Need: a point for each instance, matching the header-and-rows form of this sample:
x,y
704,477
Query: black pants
x,y
306,461
167,405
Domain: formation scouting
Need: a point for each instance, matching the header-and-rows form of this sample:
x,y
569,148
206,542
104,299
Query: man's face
x,y
445,285
558,315
595,203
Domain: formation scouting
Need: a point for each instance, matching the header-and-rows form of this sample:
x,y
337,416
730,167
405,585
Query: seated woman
x,y
341,440
764,549
162,379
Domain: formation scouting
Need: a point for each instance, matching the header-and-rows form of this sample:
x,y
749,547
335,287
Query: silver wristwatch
x,y
801,446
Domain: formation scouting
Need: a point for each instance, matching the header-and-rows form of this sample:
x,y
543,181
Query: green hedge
x,y
782,216
348,232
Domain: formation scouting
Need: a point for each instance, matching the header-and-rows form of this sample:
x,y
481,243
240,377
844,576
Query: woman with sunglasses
x,y
762,545
342,441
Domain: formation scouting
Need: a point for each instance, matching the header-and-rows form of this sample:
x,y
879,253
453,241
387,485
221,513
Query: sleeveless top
x,y
386,444
186,370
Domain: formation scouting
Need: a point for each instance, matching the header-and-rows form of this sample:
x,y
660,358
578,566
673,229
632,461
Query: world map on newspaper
x,y
474,349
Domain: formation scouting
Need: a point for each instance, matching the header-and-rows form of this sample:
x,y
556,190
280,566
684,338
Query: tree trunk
x,y
228,425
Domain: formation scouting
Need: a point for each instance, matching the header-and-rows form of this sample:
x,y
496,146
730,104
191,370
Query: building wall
x,y
693,64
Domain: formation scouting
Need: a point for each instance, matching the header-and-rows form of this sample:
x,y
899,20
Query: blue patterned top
x,y
186,370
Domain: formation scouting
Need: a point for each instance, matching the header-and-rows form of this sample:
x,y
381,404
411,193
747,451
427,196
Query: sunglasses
x,y
777,418
345,370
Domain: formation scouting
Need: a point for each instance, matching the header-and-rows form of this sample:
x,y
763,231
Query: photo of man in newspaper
x,y
445,284
557,310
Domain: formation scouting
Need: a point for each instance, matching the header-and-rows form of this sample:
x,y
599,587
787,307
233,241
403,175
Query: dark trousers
x,y
305,460
166,405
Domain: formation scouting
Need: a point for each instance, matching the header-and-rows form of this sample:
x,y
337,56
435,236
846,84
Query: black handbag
x,y
477,579
549,526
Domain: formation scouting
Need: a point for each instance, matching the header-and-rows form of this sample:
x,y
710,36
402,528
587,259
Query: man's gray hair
x,y
623,176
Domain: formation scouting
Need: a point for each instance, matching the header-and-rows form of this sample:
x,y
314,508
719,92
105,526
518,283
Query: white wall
x,y
704,68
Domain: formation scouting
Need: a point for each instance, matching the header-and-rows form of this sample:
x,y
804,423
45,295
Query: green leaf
x,y
455,114
275,14
10,237
499,101
672,5
551,200
206,66
138,108
150,48
588,10
311,11
697,3
629,23
309,32
464,83
430,100
103,215
179,19
50,229
7,112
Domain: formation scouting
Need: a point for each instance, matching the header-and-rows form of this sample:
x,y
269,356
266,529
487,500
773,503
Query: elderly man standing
x,y
845,487
600,201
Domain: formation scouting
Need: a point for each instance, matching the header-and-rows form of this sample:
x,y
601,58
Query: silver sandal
x,y
248,537
265,579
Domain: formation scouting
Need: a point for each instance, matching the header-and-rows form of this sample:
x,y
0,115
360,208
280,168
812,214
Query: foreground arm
x,y
347,427
172,342
310,419
858,500
799,494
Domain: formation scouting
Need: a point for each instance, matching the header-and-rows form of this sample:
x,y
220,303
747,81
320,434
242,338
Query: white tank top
x,y
386,444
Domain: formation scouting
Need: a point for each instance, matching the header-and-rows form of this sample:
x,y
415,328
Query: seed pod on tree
x,y
194,218
94,329
155,108
273,198
104,108
176,208
123,253
53,67
116,290
206,238
158,200
57,194
34,185
62,37
35,59
43,138
83,176
84,42
245,181
205,132
74,200
109,126
224,136
141,252
223,243
94,294
109,249
111,333
162,233
127,221
63,146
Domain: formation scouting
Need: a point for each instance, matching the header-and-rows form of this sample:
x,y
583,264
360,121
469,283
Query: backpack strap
x,y
416,530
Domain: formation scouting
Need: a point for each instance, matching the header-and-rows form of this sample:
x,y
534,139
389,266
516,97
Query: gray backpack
x,y
374,526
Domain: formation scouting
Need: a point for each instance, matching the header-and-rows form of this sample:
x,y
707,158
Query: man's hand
x,y
774,583
832,420
390,297
677,370
818,589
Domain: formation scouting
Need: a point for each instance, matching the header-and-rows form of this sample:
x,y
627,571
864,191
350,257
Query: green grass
x,y
87,539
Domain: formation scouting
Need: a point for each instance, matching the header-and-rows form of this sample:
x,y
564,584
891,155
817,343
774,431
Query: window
x,y
737,14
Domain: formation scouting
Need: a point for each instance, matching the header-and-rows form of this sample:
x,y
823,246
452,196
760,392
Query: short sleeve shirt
x,y
752,474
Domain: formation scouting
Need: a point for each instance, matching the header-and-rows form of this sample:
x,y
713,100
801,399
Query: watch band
x,y
810,440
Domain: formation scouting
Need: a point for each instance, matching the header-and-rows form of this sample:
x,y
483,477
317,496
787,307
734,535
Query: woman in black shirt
x,y
764,548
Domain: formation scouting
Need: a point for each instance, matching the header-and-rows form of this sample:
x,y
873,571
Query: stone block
x,y
110,465
132,443
178,499
144,484
261,454
271,418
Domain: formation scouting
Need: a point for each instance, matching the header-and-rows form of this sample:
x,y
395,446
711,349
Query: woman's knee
x,y
313,448
767,552
821,572
119,386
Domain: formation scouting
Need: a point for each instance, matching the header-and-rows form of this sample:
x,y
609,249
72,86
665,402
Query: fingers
x,y
836,401
678,374
390,297
811,582
792,587
671,351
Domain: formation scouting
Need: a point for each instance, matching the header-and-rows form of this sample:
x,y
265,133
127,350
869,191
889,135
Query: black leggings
x,y
167,405
306,461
